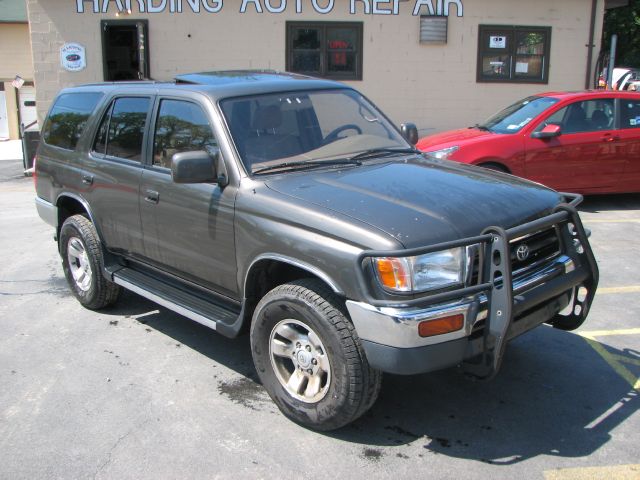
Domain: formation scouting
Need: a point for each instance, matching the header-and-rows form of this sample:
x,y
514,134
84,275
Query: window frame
x,y
358,27
511,32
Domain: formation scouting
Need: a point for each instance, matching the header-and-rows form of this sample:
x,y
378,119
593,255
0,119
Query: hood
x,y
452,137
420,201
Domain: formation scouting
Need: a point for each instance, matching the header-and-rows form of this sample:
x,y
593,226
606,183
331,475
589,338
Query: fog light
x,y
440,326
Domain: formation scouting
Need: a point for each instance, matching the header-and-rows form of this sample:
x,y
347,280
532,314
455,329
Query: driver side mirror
x,y
198,166
410,132
549,131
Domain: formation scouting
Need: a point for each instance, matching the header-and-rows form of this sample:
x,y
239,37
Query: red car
x,y
584,142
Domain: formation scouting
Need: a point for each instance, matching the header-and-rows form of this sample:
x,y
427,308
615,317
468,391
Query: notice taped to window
x,y
497,42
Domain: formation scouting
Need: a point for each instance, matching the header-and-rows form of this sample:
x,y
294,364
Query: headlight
x,y
444,153
423,272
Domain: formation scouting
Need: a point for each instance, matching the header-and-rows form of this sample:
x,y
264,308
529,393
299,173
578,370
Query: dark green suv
x,y
292,207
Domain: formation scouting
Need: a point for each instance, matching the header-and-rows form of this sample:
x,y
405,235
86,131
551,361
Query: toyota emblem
x,y
522,252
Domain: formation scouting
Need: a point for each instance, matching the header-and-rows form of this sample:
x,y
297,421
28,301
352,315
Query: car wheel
x,y
81,253
309,357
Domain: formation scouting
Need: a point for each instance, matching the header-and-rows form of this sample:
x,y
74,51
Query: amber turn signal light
x,y
440,326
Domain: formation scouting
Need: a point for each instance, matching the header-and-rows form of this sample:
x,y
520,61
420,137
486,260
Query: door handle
x,y
87,179
611,138
152,196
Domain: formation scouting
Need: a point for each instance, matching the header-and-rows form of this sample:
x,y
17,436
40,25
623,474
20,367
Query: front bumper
x,y
493,315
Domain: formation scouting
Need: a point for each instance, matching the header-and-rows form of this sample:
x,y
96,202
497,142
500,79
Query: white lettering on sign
x,y
365,4
324,10
323,7
270,8
256,3
442,7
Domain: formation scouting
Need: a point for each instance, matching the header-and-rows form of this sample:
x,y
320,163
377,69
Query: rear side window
x,y
121,130
629,113
68,117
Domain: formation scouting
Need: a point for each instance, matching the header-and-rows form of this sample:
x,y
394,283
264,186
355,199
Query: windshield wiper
x,y
481,127
299,165
379,152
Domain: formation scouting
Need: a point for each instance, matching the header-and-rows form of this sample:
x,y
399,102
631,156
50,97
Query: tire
x,y
309,357
81,253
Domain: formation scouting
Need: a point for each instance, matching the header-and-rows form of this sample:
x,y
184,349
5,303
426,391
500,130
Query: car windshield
x,y
515,117
277,131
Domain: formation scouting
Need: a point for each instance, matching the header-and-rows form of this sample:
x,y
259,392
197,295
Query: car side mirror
x,y
549,131
409,132
198,166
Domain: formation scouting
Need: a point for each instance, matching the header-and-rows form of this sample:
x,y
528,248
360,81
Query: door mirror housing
x,y
409,132
198,166
549,131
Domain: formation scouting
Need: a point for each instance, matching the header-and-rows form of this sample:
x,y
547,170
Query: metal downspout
x,y
591,45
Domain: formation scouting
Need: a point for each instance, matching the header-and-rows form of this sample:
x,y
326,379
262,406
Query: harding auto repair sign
x,y
368,7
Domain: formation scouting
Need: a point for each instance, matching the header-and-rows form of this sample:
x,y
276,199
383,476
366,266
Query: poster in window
x,y
497,41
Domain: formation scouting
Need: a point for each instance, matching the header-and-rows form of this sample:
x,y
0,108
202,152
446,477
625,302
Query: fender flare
x,y
295,263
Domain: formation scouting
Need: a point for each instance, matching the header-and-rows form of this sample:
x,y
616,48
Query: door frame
x,y
141,23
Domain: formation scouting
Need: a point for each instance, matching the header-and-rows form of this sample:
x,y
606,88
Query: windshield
x,y
515,117
288,128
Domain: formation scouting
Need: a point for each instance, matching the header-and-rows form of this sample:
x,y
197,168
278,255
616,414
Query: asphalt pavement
x,y
137,391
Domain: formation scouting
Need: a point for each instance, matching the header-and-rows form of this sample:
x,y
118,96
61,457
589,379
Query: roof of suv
x,y
232,83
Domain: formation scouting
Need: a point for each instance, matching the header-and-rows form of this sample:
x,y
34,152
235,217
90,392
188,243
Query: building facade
x,y
17,99
439,63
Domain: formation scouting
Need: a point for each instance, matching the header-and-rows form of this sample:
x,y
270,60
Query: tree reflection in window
x,y
181,127
68,118
126,128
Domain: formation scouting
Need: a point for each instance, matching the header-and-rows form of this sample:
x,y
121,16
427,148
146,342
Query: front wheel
x,y
81,253
309,357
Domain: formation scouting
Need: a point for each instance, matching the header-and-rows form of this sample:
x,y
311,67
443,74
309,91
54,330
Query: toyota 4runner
x,y
291,207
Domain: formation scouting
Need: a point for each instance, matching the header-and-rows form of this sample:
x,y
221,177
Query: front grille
x,y
541,245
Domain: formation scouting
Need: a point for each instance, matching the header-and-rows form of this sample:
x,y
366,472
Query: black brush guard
x,y
495,280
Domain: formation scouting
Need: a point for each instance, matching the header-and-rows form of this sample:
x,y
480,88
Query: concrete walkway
x,y
11,150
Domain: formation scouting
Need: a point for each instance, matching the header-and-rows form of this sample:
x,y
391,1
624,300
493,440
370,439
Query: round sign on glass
x,y
73,57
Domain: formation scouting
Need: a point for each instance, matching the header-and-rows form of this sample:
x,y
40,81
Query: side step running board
x,y
194,307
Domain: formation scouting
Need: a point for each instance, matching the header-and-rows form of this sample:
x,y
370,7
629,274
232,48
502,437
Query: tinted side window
x,y
125,129
68,118
587,116
100,143
629,113
181,127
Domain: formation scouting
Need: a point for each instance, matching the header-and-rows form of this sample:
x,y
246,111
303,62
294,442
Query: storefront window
x,y
325,49
513,54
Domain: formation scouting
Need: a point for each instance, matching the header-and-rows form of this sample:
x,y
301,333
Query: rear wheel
x,y
81,253
309,357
